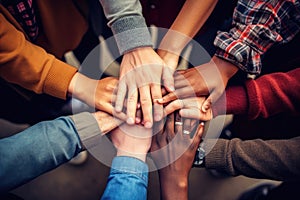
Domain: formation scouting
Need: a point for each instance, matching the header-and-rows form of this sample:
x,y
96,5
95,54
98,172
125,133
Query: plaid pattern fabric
x,y
256,26
23,12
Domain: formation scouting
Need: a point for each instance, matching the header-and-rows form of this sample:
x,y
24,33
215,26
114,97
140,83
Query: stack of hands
x,y
159,112
148,91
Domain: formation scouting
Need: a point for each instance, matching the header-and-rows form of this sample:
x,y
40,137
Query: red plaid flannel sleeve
x,y
256,26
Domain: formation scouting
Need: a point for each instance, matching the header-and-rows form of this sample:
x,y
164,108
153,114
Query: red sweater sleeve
x,y
266,96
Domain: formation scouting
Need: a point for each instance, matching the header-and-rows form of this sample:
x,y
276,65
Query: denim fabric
x,y
37,150
128,179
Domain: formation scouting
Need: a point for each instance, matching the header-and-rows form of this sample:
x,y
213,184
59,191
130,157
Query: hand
x,y
95,93
140,73
189,108
106,122
173,153
170,59
132,140
209,79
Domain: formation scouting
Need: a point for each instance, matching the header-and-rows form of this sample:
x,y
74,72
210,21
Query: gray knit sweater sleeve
x,y
127,23
87,128
268,159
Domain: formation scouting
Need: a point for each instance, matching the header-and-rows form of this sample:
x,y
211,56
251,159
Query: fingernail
x,y
171,88
130,120
148,125
157,118
160,100
118,109
137,120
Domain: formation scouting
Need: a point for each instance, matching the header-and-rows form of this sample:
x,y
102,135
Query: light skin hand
x,y
171,142
189,108
95,93
209,79
106,122
132,140
140,79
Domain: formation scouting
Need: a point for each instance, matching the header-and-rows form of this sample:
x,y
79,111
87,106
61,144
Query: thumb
x,y
213,97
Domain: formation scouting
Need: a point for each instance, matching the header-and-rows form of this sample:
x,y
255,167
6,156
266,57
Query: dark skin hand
x,y
173,154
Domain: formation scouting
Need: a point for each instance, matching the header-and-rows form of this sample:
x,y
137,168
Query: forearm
x,y
172,186
189,21
127,23
30,66
45,146
255,158
264,97
252,33
37,150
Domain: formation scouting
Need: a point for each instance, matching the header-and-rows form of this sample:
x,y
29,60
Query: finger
x,y
187,127
170,125
158,128
163,91
146,104
131,104
138,116
182,82
120,115
122,89
169,97
179,75
178,124
168,79
185,92
174,105
192,112
199,133
207,104
158,108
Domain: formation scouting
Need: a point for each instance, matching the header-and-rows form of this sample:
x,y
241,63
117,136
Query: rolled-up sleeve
x,y
256,26
127,23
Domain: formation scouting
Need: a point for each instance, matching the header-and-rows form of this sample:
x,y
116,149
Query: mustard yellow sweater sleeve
x,y
30,66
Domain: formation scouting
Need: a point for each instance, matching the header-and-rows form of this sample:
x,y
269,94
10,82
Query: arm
x,y
189,21
253,33
173,153
31,67
43,74
127,23
266,96
141,67
128,177
36,150
270,159
47,145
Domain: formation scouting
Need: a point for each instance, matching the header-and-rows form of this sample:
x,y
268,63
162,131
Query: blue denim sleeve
x,y
128,179
36,150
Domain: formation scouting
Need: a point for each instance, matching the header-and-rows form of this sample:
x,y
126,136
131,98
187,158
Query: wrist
x,y
173,186
226,68
82,88
140,156
71,87
199,160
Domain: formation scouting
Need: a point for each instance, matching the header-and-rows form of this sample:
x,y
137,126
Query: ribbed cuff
x,y
58,79
216,151
131,33
87,128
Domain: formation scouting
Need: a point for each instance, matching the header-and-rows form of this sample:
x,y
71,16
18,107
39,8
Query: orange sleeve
x,y
30,66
